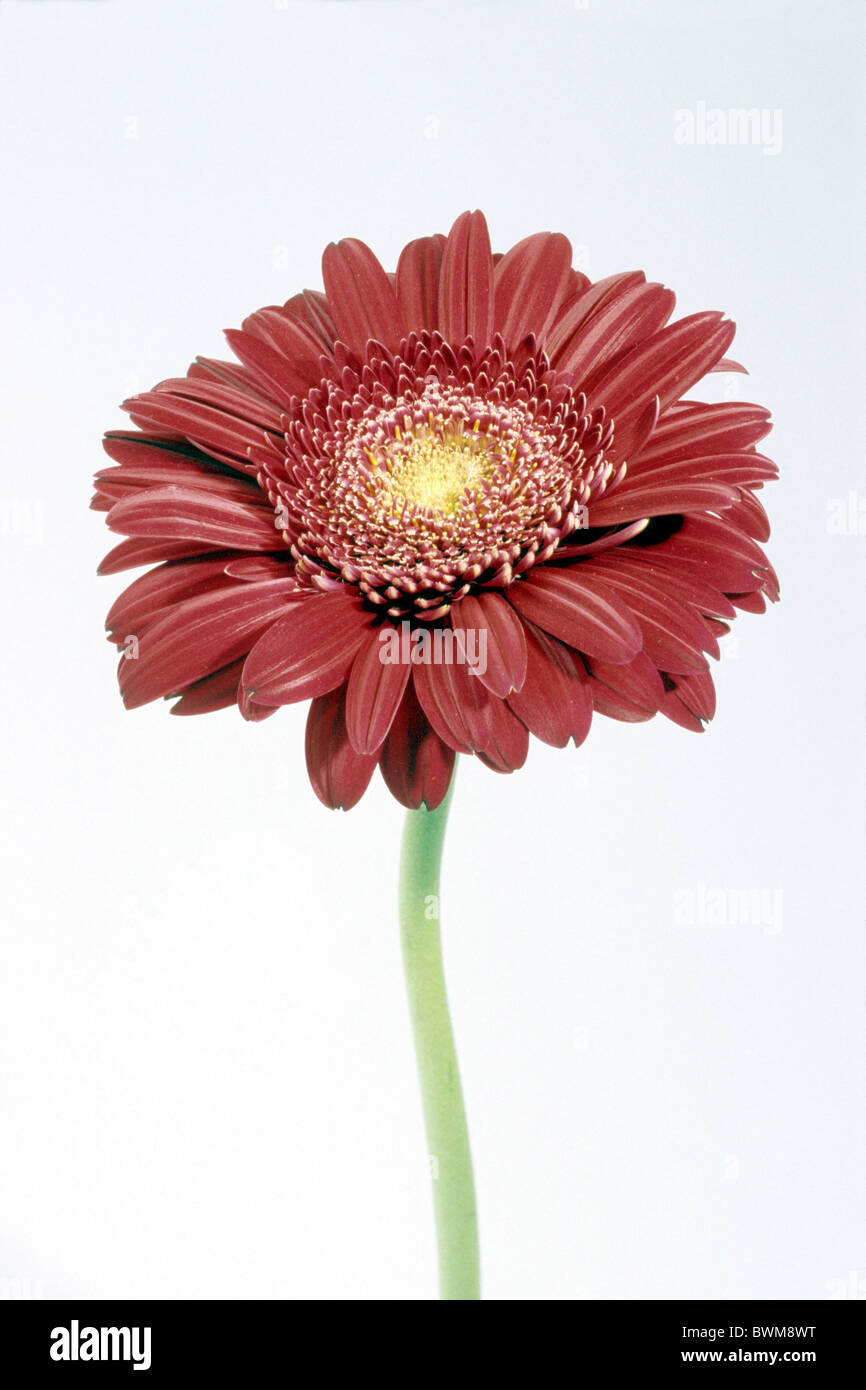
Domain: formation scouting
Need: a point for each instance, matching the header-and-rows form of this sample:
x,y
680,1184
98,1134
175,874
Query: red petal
x,y
216,431
582,612
749,603
637,680
678,710
456,704
692,430
575,321
664,365
197,637
466,282
665,498
650,567
630,436
673,637
292,337
554,702
743,468
576,285
233,400
667,487
416,765
719,554
275,372
616,706
418,282
339,775
609,541
231,374
531,280
260,566
373,694
309,652
626,320
212,517
137,450
698,694
130,555
218,691
361,297
498,635
163,587
114,484
509,743
311,308
748,515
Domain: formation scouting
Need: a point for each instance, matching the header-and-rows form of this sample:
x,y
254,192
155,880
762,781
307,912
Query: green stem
x,y
441,1094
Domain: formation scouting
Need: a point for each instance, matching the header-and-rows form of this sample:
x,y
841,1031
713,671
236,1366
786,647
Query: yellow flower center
x,y
434,473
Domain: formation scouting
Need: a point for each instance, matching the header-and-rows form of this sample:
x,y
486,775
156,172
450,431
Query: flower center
x,y
423,476
434,474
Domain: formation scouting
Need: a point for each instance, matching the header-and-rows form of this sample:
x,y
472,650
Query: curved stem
x,y
441,1094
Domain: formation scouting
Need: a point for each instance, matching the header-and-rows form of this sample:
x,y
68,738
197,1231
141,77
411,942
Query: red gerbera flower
x,y
479,449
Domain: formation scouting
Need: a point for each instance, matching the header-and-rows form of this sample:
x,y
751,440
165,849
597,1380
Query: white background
x,y
207,1081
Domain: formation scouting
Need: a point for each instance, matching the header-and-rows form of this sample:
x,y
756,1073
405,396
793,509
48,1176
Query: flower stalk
x,y
441,1093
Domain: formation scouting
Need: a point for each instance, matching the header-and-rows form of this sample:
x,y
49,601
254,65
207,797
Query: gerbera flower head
x,y
452,506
